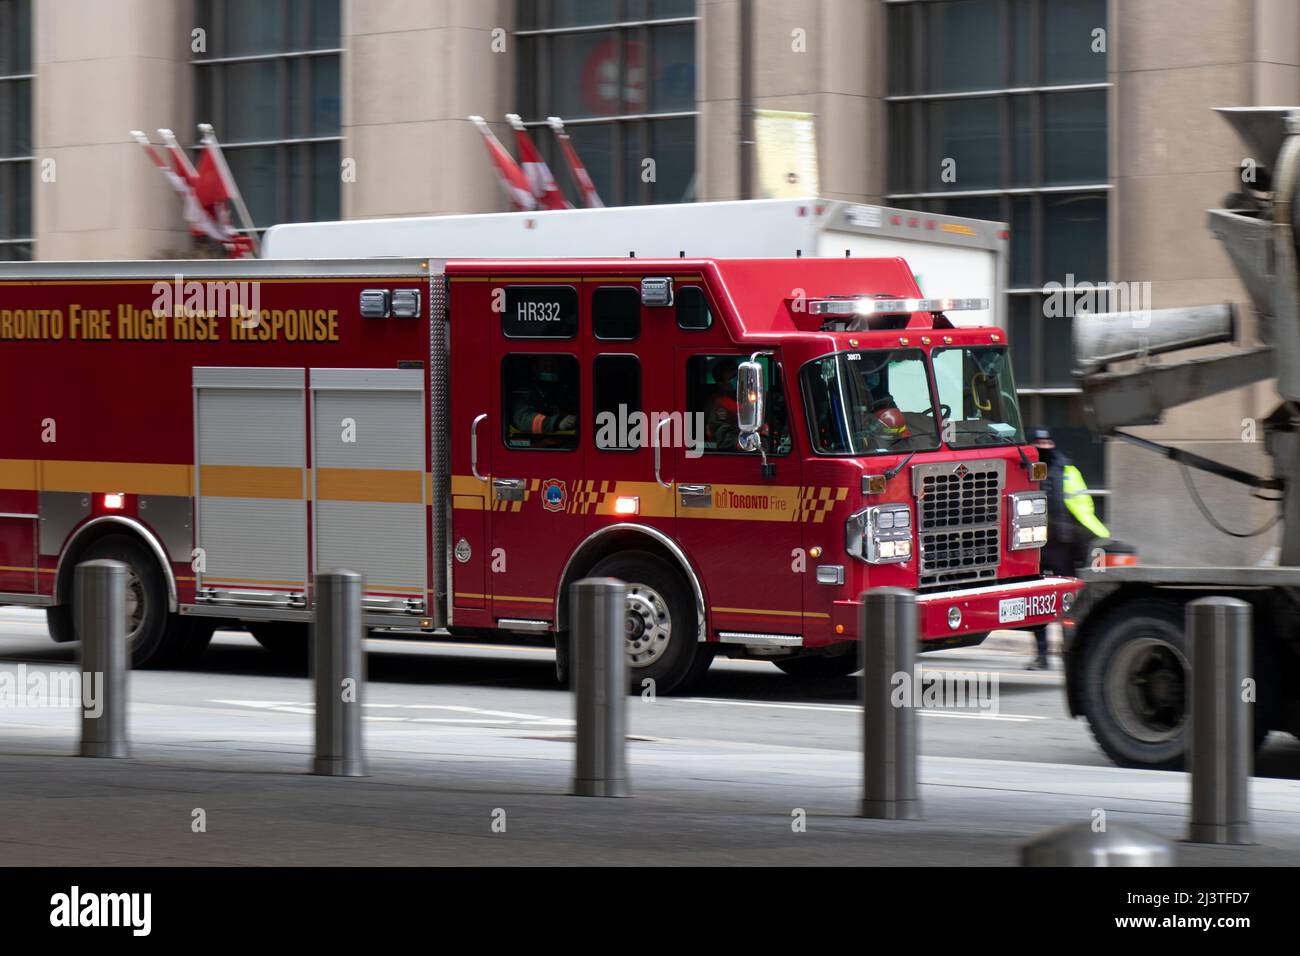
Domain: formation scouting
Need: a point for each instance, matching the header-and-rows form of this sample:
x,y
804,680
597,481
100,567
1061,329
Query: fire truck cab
x,y
749,443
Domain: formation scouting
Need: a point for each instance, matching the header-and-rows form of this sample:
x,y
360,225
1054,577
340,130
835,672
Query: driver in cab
x,y
880,421
544,407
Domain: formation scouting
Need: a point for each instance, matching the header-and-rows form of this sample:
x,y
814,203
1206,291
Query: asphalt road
x,y
460,688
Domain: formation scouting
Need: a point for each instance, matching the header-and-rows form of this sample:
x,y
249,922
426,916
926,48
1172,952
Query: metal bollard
x,y
599,616
887,635
337,657
1219,739
101,624
1077,844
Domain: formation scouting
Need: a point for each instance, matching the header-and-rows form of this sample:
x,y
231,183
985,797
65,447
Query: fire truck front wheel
x,y
661,639
155,636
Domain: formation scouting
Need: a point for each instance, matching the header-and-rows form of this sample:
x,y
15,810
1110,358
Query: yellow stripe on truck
x,y
369,484
250,481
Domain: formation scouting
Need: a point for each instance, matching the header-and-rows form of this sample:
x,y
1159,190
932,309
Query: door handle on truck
x,y
695,496
508,489
473,446
658,444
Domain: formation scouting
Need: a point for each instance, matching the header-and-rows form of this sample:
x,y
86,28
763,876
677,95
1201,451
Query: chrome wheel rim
x,y
134,605
648,628
1146,685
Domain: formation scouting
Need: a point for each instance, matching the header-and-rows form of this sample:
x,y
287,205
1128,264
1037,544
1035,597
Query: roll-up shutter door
x,y
369,486
251,485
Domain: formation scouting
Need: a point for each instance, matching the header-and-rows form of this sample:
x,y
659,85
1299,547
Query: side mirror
x,y
749,399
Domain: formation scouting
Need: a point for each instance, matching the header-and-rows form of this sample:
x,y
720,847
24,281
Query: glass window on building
x,y
998,110
15,130
621,74
269,84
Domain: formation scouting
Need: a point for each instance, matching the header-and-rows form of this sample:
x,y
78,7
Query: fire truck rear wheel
x,y
662,632
157,637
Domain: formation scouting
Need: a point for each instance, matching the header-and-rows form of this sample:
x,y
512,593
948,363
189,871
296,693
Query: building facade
x,y
1084,124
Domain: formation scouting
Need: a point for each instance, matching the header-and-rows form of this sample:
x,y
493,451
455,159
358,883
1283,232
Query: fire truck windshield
x,y
978,396
870,403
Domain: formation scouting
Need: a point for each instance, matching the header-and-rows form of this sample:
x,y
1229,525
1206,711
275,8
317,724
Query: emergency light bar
x,y
865,306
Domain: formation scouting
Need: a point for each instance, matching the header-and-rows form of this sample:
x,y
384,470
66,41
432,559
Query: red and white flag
x,y
540,180
180,176
590,197
513,180
206,192
217,192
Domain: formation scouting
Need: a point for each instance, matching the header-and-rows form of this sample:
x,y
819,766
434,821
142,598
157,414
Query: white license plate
x,y
1011,610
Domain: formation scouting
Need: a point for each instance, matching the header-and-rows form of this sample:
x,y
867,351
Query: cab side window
x,y
616,394
539,396
616,313
693,313
711,400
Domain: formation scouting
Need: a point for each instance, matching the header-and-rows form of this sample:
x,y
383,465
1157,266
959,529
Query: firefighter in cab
x,y
721,414
1072,522
543,410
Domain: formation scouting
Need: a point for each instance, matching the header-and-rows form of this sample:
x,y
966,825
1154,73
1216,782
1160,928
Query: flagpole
x,y
210,137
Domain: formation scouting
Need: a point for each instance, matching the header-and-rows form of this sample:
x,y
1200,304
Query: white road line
x,y
479,715
834,708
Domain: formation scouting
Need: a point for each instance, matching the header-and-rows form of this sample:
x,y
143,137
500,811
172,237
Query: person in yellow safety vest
x,y
1072,522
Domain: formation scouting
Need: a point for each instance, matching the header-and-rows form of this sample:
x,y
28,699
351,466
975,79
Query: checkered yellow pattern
x,y
816,502
588,495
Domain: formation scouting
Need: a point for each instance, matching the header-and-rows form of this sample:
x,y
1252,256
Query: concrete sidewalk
x,y
435,794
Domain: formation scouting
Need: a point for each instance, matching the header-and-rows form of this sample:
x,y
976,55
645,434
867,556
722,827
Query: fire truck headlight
x,y
1027,517
880,534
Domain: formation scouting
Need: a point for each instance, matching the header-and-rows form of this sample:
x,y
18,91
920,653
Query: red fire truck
x,y
750,443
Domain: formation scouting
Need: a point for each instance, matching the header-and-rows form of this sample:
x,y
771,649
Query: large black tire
x,y
820,667
1134,681
662,638
157,637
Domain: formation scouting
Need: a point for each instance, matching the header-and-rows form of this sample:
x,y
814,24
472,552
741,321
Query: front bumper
x,y
1044,600
993,607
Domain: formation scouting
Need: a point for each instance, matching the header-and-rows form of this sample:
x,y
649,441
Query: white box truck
x,y
951,257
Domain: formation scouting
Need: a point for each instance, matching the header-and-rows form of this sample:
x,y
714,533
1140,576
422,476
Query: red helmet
x,y
892,421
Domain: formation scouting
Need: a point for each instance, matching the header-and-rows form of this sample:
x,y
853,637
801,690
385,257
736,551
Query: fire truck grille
x,y
959,507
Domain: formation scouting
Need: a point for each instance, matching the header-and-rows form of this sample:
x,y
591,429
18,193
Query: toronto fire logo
x,y
554,494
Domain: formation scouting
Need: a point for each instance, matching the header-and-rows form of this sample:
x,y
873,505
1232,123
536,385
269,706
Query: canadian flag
x,y
513,180
588,189
540,180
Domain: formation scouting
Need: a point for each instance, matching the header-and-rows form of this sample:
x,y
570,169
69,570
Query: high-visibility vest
x,y
1079,502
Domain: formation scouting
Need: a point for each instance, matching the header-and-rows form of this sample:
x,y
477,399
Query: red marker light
x,y
114,501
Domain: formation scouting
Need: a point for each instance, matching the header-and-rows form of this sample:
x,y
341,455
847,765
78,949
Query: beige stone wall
x,y
103,68
840,76
1173,158
413,70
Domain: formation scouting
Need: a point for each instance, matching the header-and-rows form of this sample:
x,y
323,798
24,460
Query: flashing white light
x,y
865,306
627,505
115,501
